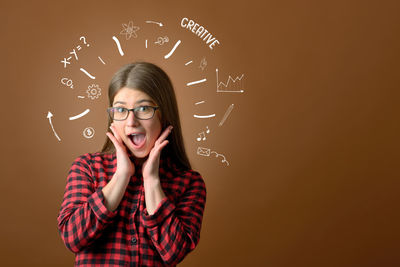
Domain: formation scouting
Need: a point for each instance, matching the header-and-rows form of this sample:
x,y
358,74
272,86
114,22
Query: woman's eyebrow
x,y
137,102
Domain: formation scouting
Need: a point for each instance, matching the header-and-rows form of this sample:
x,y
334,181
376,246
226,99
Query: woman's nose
x,y
132,120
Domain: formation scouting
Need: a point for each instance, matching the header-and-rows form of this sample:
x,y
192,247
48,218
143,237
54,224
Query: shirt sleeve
x,y
174,228
83,214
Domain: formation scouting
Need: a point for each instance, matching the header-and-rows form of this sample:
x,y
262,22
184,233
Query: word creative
x,y
200,31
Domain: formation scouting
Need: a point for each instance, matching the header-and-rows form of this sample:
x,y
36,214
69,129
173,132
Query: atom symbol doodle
x,y
129,30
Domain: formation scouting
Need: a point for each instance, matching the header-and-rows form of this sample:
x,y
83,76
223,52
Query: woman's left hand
x,y
152,164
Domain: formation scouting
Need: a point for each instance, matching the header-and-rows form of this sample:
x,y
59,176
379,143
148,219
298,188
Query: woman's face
x,y
139,136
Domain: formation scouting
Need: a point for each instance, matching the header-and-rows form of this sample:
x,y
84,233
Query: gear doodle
x,y
93,91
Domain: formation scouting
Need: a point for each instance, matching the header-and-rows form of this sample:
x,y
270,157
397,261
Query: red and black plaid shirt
x,y
129,236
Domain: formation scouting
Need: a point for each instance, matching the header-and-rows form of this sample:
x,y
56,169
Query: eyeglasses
x,y
141,113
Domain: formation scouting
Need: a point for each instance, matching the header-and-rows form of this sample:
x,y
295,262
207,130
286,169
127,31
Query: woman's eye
x,y
119,110
143,108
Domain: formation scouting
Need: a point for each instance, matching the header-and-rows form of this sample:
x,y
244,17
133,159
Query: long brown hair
x,y
153,81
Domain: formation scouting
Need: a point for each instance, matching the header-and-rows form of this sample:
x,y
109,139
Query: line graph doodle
x,y
79,115
173,49
118,45
228,111
196,82
87,73
219,84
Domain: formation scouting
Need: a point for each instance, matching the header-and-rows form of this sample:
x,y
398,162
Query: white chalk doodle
x,y
227,112
146,43
79,96
88,132
189,62
129,30
196,82
200,30
219,84
79,115
200,102
49,116
84,41
162,40
118,45
204,116
159,23
173,49
66,60
206,152
102,61
220,155
88,74
68,82
202,151
202,135
203,64
93,91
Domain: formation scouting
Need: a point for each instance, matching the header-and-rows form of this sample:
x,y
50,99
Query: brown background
x,y
312,143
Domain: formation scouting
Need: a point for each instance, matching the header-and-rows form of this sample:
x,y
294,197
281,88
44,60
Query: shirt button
x,y
134,240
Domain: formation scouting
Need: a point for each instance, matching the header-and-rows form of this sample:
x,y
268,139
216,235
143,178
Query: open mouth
x,y
138,139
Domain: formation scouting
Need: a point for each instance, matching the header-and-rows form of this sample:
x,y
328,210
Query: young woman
x,y
138,202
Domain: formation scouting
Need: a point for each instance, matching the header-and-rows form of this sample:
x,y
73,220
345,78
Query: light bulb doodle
x,y
87,73
203,64
67,82
159,23
129,30
79,115
93,91
118,45
196,82
88,132
219,84
49,116
162,40
173,49
202,135
228,111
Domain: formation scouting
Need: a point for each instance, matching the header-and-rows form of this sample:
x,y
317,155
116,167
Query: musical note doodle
x,y
202,135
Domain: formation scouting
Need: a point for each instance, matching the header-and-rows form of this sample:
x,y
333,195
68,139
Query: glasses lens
x,y
144,113
119,113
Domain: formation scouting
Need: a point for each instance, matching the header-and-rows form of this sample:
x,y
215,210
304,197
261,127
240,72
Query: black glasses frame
x,y
134,110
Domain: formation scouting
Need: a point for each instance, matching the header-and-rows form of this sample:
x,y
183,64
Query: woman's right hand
x,y
125,167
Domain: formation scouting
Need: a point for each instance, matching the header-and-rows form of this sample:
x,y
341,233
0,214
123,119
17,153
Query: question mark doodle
x,y
84,40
